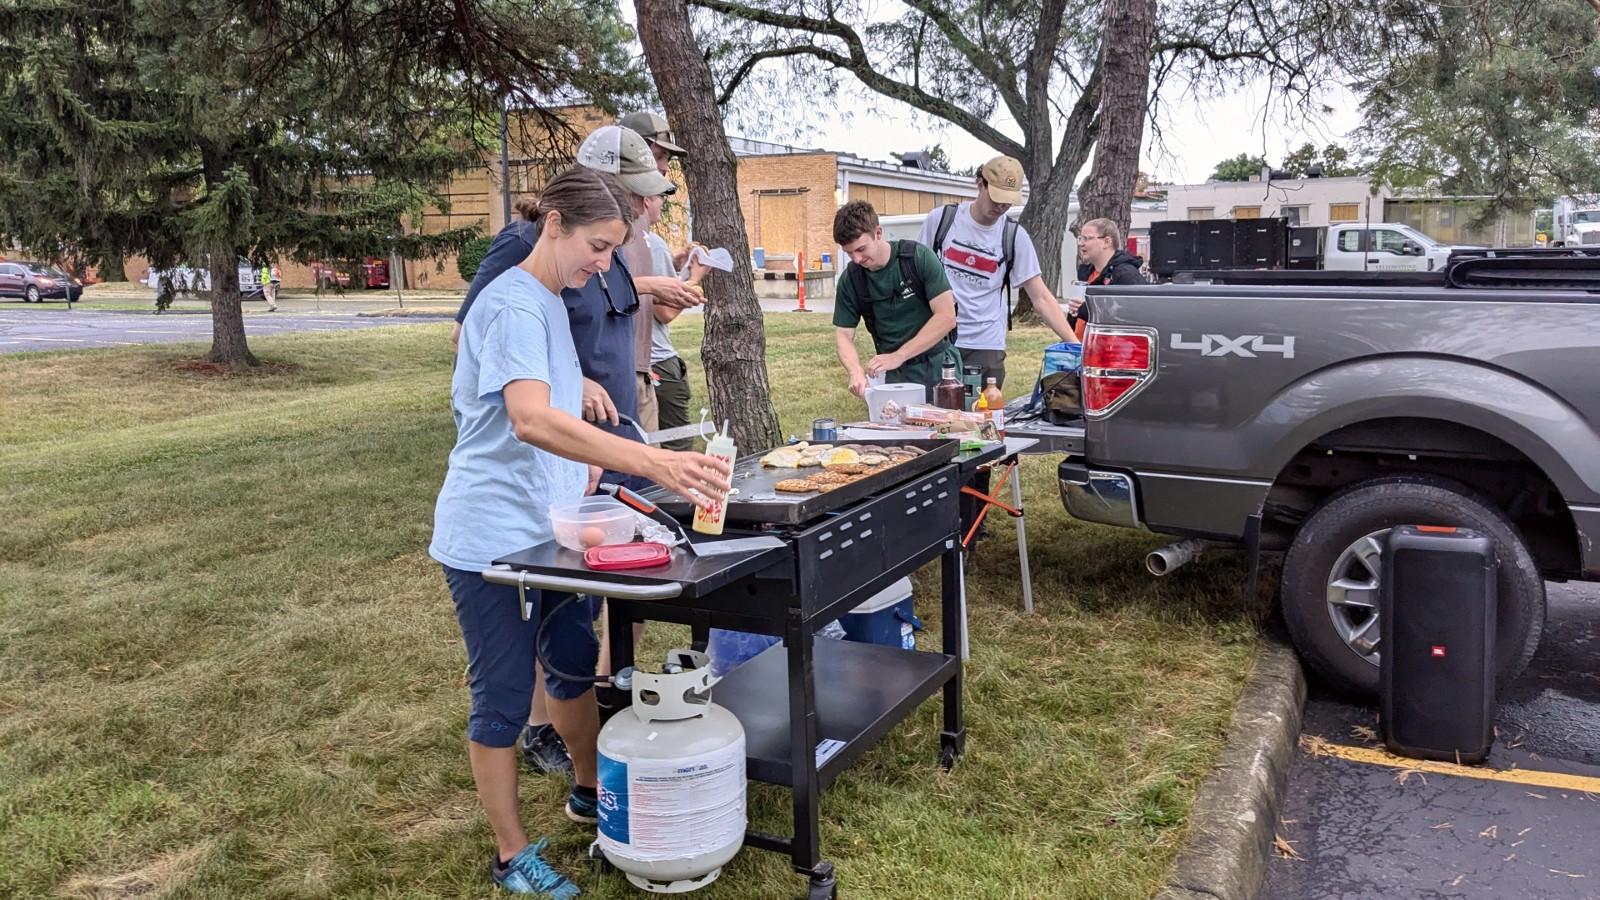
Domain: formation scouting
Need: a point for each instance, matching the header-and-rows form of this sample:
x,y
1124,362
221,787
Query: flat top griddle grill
x,y
760,502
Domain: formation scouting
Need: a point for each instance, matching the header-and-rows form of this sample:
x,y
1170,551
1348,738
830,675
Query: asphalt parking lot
x,y
1359,823
81,329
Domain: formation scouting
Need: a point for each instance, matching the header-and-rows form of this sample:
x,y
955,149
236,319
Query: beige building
x,y
788,196
1332,201
1303,201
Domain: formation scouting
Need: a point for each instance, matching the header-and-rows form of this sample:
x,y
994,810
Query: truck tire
x,y
1332,567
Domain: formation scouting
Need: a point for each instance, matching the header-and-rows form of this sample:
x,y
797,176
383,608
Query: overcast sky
x,y
1196,136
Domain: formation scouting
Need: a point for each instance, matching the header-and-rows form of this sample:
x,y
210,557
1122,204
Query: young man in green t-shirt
x,y
901,291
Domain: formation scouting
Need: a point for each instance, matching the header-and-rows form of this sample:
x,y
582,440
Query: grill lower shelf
x,y
862,691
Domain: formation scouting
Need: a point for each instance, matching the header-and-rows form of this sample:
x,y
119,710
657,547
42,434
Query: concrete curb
x,y
407,314
1231,827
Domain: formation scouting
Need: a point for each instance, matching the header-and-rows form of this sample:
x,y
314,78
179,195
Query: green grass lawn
x,y
228,668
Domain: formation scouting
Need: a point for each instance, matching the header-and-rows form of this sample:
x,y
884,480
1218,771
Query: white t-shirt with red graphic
x,y
972,259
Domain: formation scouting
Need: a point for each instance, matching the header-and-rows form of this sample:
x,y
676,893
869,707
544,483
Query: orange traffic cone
x,y
800,280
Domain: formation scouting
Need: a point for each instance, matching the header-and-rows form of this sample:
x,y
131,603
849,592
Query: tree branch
x,y
988,64
858,64
1079,134
1037,79
755,59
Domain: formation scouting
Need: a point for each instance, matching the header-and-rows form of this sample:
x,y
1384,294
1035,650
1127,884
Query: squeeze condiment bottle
x,y
709,520
994,403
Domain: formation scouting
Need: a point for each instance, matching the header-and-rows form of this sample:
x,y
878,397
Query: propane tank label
x,y
666,809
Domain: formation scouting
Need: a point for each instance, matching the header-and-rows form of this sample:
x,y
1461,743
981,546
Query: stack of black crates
x,y
1228,244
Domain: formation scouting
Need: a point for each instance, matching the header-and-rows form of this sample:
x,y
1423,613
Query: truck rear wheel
x,y
1332,576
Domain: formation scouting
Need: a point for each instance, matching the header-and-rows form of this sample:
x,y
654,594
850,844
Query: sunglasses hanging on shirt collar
x,y
612,303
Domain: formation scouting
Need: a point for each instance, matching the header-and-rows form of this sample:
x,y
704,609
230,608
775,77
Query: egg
x,y
592,536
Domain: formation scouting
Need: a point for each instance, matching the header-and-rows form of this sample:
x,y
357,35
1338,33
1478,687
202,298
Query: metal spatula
x,y
702,549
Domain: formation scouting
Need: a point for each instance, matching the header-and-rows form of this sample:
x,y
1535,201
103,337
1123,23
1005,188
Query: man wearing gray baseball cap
x,y
668,375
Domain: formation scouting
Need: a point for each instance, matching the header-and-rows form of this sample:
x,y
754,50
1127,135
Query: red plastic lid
x,y
638,555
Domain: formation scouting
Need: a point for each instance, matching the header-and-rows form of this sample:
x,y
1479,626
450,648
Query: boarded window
x,y
1247,212
1197,213
1344,212
780,227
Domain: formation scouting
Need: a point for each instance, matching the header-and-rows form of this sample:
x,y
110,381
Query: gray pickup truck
x,y
1310,415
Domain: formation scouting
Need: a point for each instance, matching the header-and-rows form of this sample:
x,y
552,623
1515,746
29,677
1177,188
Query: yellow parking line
x,y
1557,780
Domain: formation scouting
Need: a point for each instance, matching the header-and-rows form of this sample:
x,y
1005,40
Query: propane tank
x,y
672,780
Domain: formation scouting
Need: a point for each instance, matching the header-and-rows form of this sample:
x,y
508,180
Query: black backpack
x,y
906,252
1008,246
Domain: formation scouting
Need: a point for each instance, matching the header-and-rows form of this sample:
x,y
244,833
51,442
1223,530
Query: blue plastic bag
x,y
1062,357
731,649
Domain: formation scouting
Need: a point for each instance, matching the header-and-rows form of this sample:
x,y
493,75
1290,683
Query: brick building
x,y
787,195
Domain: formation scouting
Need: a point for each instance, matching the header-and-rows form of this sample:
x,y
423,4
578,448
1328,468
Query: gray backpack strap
x,y
947,218
1008,253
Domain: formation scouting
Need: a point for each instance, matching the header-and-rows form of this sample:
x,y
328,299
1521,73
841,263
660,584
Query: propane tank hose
x,y
539,646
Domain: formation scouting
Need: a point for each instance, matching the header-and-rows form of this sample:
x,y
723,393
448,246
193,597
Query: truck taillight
x,y
1117,362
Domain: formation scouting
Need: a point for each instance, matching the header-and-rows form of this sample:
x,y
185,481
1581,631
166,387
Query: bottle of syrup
x,y
949,393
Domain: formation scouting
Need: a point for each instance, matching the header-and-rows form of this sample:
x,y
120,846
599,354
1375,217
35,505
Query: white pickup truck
x,y
1383,247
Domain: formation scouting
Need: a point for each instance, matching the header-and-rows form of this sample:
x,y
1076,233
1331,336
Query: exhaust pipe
x,y
1164,561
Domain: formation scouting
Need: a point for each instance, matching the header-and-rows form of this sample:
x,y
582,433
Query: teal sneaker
x,y
528,873
582,809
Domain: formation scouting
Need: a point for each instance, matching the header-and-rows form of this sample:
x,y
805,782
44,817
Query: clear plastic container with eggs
x,y
591,522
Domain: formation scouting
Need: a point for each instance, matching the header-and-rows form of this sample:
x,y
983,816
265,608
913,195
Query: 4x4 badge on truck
x,y
1246,345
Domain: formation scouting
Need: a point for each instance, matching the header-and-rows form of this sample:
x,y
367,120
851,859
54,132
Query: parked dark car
x,y
36,282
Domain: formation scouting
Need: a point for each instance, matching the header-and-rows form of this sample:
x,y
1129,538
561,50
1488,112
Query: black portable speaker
x,y
1436,670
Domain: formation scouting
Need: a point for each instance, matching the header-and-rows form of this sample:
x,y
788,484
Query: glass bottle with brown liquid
x,y
949,393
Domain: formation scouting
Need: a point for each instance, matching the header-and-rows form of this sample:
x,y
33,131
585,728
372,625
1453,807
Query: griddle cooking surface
x,y
759,500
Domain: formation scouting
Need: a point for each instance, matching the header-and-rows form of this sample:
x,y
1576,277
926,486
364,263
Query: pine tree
x,y
203,131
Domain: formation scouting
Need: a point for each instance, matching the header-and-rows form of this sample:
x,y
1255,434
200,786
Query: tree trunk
x,y
1046,218
734,349
1125,51
227,315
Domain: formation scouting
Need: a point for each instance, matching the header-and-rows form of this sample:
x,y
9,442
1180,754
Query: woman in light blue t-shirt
x,y
521,445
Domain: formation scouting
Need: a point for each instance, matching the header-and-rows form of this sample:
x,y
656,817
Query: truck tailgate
x,y
1066,439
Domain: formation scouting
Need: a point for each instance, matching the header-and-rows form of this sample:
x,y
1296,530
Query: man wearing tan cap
x,y
986,254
